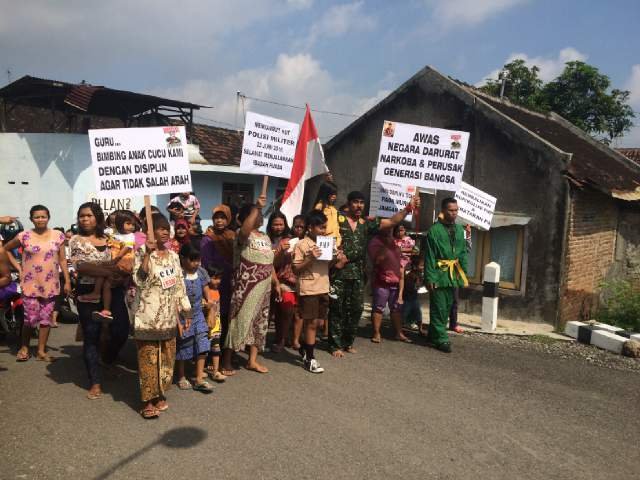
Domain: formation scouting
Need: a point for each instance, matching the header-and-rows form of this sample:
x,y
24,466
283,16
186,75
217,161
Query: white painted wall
x,y
52,169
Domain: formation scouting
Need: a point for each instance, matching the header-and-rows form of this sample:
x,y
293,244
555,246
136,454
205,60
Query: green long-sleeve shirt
x,y
444,244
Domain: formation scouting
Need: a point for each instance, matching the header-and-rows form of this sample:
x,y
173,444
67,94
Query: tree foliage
x,y
581,94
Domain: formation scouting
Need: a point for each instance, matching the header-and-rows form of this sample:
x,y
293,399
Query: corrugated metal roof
x,y
91,99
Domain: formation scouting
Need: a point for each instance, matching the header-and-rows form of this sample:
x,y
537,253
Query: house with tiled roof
x,y
568,207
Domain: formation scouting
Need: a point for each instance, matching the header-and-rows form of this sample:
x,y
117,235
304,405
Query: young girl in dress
x,y
283,310
193,337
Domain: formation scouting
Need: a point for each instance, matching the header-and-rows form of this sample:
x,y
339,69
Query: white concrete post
x,y
490,297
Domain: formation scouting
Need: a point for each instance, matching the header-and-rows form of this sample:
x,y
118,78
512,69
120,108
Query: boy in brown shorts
x,y
313,285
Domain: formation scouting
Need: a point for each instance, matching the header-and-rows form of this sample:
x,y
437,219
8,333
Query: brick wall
x,y
590,255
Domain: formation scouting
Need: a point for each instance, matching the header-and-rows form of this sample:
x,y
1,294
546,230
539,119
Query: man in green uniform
x,y
445,267
346,307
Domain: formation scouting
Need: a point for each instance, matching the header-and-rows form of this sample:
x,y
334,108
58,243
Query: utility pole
x,y
235,119
503,75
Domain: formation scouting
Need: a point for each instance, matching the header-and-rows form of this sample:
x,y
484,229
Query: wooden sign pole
x,y
149,217
265,182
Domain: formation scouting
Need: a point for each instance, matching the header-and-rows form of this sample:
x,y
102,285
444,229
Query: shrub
x,y
620,305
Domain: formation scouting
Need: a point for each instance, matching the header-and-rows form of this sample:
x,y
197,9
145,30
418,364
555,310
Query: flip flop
x,y
162,408
149,413
94,396
228,372
204,387
23,357
184,384
376,340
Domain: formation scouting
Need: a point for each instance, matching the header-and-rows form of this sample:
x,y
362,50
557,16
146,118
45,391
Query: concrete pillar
x,y
490,297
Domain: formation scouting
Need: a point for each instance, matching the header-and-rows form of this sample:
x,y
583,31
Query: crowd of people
x,y
192,297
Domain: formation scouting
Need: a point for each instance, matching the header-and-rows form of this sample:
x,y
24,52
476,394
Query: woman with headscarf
x,y
216,249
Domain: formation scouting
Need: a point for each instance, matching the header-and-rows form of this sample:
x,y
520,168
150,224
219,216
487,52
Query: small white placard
x,y
325,243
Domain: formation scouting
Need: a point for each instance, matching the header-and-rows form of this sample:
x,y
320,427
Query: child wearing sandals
x,y
213,322
122,255
193,342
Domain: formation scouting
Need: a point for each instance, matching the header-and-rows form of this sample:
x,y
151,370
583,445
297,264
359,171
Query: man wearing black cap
x,y
346,310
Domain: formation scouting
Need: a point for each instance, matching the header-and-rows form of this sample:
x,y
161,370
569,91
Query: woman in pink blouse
x,y
43,258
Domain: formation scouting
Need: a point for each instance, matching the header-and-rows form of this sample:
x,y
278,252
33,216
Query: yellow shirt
x,y
333,228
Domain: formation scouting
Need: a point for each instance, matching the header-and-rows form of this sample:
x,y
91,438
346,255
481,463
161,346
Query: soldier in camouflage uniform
x,y
348,283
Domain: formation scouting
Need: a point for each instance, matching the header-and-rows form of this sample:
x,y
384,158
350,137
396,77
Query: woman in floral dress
x,y
253,276
43,258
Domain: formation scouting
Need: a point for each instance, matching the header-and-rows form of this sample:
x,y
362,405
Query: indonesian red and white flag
x,y
307,163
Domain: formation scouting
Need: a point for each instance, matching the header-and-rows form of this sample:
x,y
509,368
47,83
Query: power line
x,y
214,121
273,102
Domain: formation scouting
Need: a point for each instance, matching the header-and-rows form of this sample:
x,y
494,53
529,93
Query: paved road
x,y
391,411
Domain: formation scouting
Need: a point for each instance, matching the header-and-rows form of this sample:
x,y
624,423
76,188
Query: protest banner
x,y
131,162
269,146
421,156
386,199
325,243
475,206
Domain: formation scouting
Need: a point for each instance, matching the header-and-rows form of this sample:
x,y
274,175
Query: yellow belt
x,y
452,266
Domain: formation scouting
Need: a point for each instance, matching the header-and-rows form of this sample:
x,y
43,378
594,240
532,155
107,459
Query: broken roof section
x,y
90,99
591,162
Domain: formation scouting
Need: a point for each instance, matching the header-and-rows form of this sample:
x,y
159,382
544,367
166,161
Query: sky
x,y
338,56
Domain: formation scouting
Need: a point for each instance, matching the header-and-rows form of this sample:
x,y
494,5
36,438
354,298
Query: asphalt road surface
x,y
393,410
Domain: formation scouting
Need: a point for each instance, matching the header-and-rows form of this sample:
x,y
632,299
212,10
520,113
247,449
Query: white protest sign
x,y
131,162
325,244
421,156
269,146
386,200
475,206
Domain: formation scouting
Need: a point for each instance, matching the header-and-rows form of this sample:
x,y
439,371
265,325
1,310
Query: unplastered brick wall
x,y
590,255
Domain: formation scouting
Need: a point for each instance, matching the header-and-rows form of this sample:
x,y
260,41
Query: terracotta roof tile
x,y
219,146
631,153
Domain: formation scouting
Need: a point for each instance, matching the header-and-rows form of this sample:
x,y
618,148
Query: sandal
x,y
94,395
184,384
149,412
204,387
228,372
23,356
217,377
162,406
376,340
